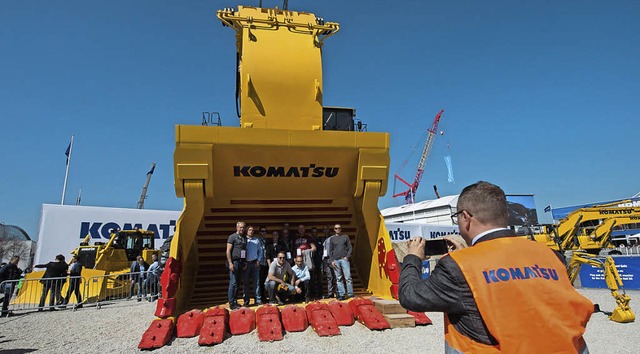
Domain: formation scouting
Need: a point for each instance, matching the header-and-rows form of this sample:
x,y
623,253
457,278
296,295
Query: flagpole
x,y
66,174
79,196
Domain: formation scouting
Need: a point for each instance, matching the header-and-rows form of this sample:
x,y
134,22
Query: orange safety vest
x,y
525,298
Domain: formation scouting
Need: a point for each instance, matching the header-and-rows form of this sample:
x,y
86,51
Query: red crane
x,y
410,194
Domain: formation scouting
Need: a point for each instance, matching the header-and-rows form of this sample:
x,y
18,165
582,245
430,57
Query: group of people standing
x,y
55,276
288,267
146,278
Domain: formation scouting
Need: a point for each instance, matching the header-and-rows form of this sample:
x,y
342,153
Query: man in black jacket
x,y
8,273
138,271
529,306
52,280
74,281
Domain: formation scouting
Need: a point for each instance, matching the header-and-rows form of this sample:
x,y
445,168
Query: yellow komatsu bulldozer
x,y
585,232
291,160
105,266
116,255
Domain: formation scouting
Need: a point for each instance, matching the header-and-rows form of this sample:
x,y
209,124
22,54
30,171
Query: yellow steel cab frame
x,y
284,164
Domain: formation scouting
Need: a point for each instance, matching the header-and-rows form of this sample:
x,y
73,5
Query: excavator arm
x,y
622,312
600,237
586,232
570,232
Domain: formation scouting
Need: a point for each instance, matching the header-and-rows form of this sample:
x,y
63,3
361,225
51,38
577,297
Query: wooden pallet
x,y
389,306
395,314
400,320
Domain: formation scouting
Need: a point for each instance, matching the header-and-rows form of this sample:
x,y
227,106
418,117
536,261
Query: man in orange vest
x,y
503,294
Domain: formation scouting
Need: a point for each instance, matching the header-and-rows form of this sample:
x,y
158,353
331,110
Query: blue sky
x,y
540,97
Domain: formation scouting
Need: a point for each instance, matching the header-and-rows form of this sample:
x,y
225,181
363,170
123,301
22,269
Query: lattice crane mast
x,y
410,194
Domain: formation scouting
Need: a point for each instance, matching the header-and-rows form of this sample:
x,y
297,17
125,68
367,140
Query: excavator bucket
x,y
284,164
622,314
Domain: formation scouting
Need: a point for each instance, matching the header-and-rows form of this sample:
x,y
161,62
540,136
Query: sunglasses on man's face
x,y
280,257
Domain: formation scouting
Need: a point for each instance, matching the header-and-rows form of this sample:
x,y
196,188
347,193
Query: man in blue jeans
x,y
339,254
236,257
252,274
138,275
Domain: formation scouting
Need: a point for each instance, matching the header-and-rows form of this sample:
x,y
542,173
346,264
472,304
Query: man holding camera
x,y
502,294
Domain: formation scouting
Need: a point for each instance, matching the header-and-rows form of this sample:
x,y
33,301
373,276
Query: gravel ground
x,y
118,328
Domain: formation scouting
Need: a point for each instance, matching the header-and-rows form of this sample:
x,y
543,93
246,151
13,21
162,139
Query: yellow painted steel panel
x,y
279,165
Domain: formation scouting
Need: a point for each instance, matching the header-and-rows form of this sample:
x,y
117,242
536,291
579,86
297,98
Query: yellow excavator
x,y
576,230
291,160
622,313
585,232
104,266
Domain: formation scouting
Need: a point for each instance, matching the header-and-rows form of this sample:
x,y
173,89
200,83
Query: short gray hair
x,y
486,202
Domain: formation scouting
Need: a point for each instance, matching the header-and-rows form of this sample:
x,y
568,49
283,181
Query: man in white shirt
x,y
303,277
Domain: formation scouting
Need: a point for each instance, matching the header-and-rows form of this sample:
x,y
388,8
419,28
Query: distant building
x,y
521,208
435,212
14,241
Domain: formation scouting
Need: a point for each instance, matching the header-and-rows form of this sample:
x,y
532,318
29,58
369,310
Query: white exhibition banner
x,y
62,227
399,232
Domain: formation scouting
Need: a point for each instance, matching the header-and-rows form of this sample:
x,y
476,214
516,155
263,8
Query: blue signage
x,y
628,268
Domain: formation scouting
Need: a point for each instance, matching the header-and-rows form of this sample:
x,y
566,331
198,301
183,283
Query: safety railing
x,y
629,250
35,294
116,288
76,292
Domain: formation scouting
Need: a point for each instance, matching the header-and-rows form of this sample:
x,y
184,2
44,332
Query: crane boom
x,y
410,194
143,196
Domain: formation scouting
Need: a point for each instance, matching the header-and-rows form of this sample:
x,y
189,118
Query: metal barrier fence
x,y
34,294
114,288
75,292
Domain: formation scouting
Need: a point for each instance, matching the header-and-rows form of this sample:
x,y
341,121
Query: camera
x,y
437,246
